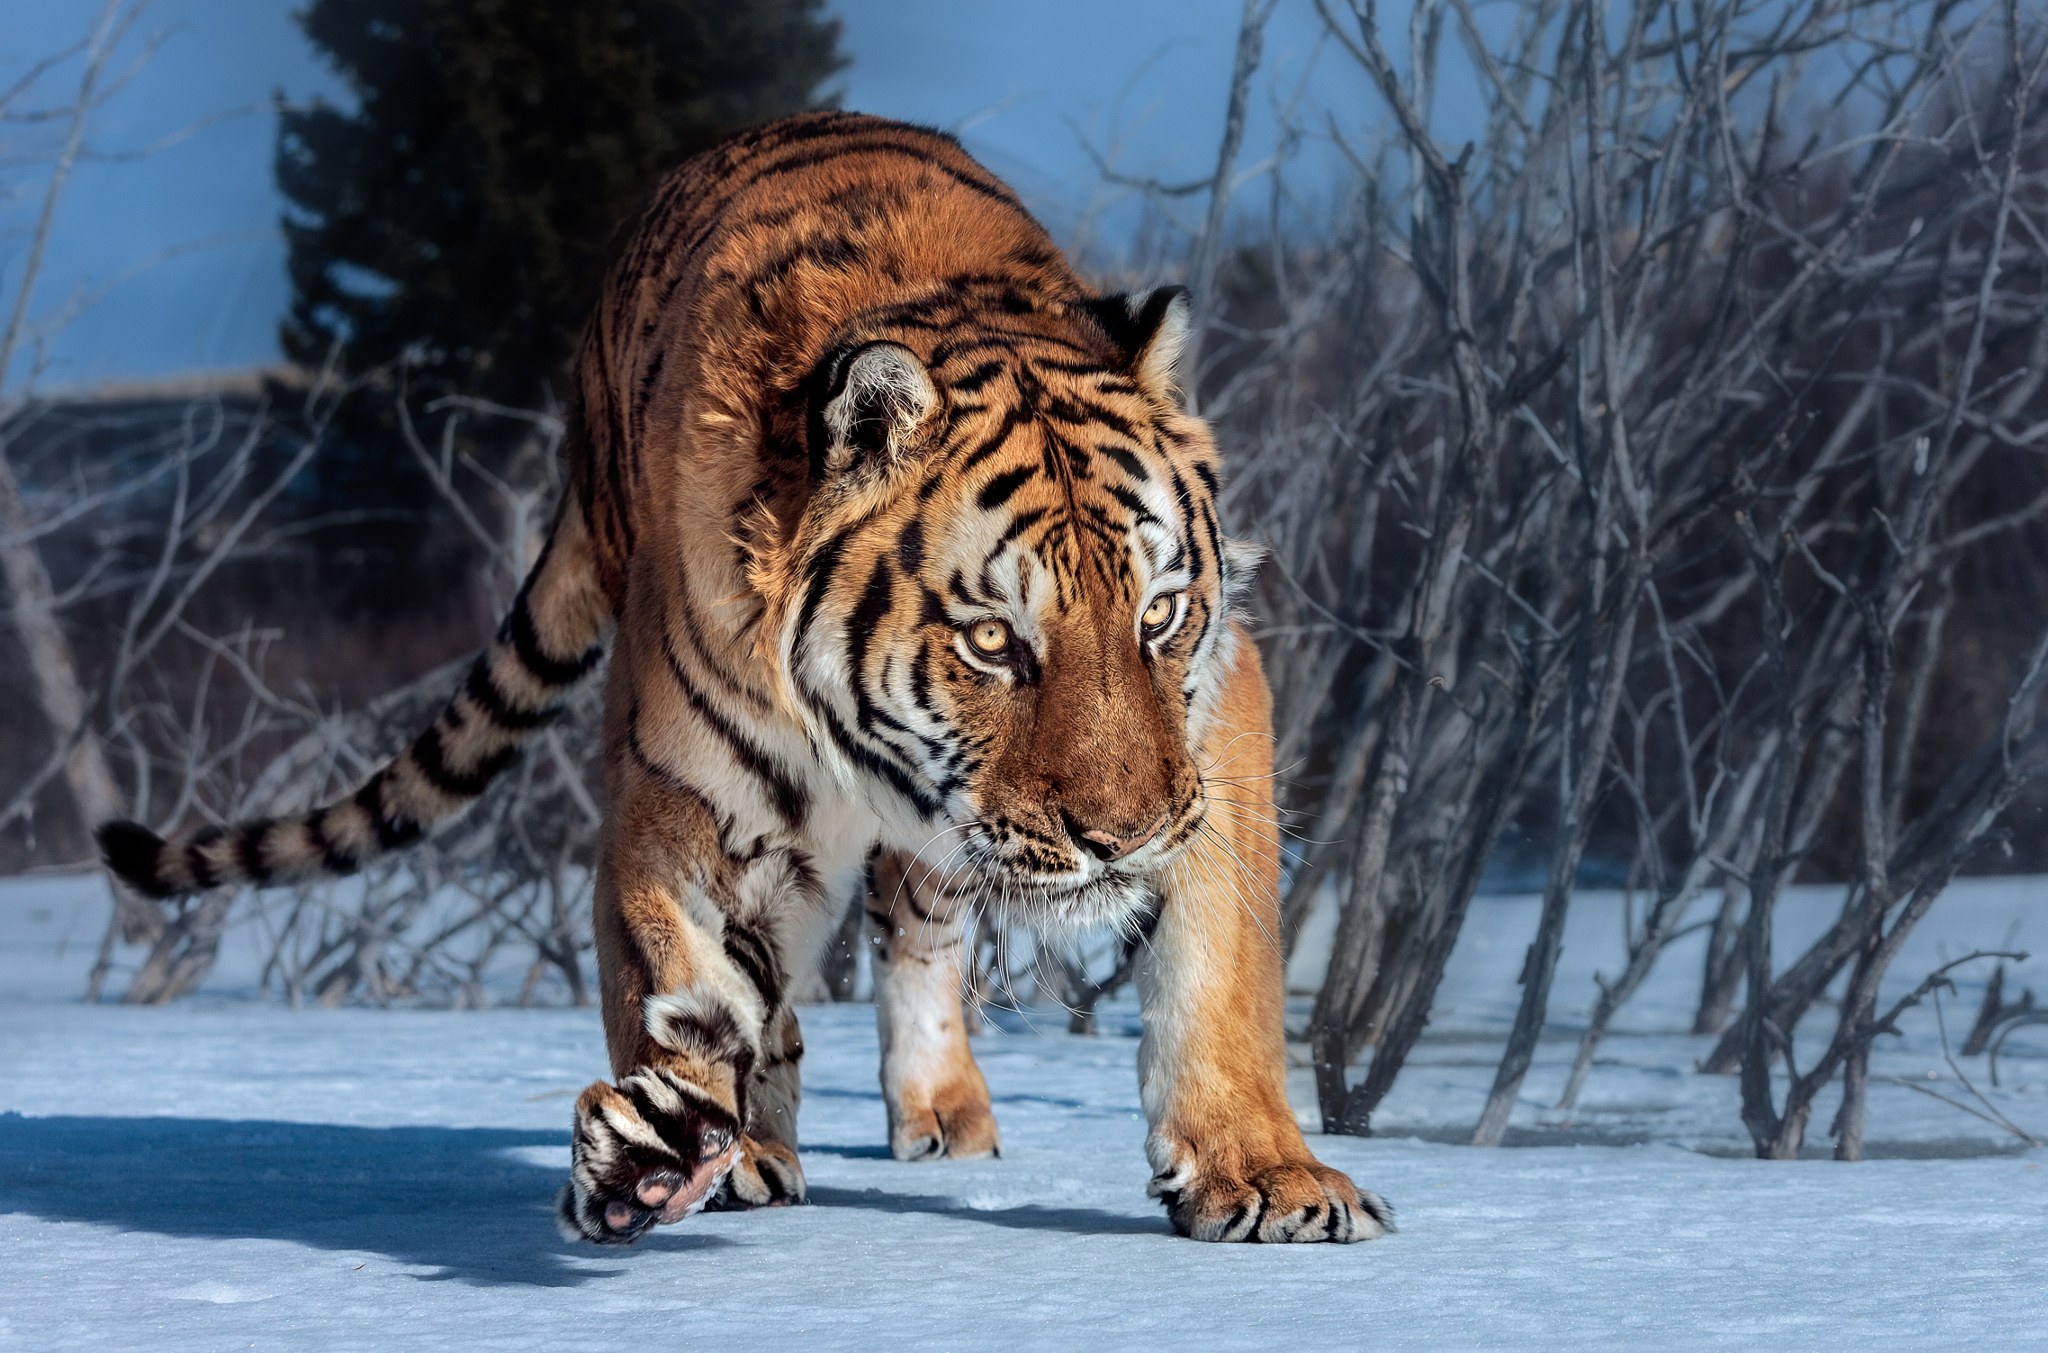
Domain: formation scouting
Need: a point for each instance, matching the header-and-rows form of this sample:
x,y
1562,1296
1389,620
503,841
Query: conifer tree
x,y
465,207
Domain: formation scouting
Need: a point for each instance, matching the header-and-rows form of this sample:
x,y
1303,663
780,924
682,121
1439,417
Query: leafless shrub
x,y
1934,984
1619,468
1995,1013
510,877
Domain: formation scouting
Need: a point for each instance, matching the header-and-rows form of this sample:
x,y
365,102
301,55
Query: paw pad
x,y
652,1150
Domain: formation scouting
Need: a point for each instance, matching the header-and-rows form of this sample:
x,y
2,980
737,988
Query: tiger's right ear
x,y
867,403
1151,328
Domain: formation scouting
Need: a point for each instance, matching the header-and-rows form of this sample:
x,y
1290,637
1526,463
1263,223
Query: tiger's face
x,y
1015,616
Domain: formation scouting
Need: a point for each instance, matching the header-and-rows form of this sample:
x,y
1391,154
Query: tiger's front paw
x,y
953,1122
1276,1202
652,1149
767,1175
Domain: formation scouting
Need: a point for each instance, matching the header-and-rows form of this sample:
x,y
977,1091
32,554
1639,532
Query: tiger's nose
x,y
1109,847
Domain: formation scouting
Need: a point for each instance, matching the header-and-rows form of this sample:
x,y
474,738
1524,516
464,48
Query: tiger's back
x,y
751,263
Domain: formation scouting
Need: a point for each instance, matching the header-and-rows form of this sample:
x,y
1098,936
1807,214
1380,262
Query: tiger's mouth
x,y
1117,894
1112,901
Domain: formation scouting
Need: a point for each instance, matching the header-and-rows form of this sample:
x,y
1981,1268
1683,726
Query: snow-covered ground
x,y
231,1174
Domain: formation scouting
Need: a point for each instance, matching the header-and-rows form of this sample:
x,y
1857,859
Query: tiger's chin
x,y
1054,910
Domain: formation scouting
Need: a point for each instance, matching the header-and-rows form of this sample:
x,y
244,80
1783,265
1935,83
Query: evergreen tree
x,y
467,204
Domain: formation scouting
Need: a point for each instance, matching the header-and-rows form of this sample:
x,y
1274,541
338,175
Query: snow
x,y
227,1173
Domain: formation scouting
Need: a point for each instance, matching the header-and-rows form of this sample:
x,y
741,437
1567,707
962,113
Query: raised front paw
x,y
1278,1202
767,1175
652,1149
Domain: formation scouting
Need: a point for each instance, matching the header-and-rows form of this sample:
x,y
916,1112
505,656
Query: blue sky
x,y
180,248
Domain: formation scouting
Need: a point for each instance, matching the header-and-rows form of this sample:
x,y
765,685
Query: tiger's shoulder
x,y
749,266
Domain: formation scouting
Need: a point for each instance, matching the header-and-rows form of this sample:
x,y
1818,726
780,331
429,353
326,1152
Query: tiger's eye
x,y
1159,612
989,636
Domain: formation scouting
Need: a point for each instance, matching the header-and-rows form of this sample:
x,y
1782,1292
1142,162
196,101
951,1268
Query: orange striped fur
x,y
911,556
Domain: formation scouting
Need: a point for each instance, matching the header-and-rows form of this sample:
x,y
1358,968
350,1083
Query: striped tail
x,y
554,634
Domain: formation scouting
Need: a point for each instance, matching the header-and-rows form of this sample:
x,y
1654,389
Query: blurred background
x,y
190,229
1642,409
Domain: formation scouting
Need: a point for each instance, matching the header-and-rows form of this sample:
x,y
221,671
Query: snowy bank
x,y
228,1173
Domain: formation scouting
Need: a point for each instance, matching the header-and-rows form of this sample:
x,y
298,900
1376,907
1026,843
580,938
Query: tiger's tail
x,y
554,634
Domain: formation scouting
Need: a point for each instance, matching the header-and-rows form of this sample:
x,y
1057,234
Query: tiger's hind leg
x,y
918,926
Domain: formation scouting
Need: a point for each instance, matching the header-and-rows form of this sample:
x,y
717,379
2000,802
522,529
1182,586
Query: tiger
x,y
906,551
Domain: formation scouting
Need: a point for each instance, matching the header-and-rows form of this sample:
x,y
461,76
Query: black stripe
x,y
1207,519
1019,524
921,678
861,627
999,490
792,164
702,650
1139,512
430,754
1128,459
519,632
678,786
331,858
483,691
823,566
1200,633
910,547
803,873
1079,463
975,379
753,955
617,525
887,771
1189,519
1012,420
1082,412
832,253
645,388
908,896
791,801
250,847
932,611
960,589
988,339
391,832
682,1133
716,1032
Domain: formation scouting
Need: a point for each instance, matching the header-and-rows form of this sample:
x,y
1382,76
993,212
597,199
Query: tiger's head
x,y
1012,596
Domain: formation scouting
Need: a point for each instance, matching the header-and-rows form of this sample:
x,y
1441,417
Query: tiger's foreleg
x,y
1227,1156
703,1046
767,1173
920,923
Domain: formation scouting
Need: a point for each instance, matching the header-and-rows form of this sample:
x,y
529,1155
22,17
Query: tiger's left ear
x,y
868,404
1151,328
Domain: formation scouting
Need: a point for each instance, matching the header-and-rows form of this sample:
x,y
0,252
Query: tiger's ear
x,y
867,405
1151,328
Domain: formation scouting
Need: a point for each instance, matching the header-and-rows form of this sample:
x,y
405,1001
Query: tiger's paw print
x,y
955,1123
653,1149
1281,1203
766,1175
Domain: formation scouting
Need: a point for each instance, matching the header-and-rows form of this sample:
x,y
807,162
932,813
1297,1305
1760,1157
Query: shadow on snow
x,y
449,1198
457,1201
1079,1221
